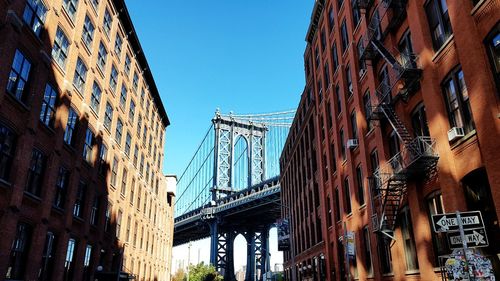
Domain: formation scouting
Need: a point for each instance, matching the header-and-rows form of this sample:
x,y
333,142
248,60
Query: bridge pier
x,y
221,250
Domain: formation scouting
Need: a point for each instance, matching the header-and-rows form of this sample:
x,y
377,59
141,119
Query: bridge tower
x,y
228,132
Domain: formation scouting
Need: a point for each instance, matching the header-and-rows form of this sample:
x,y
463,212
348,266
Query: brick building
x,y
399,120
81,139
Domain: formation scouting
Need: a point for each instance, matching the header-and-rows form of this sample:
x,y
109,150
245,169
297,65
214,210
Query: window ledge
x,y
47,128
58,67
5,183
362,207
441,50
21,105
462,140
412,272
477,7
32,196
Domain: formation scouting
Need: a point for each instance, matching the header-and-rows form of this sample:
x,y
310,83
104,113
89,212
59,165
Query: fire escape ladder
x,y
396,124
392,196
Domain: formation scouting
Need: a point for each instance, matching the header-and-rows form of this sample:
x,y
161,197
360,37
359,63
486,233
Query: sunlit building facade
x,y
399,120
82,129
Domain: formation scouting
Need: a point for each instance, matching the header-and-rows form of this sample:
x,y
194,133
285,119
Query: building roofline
x,y
133,39
315,17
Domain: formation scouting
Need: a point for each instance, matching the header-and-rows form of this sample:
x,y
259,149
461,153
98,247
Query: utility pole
x,y
189,253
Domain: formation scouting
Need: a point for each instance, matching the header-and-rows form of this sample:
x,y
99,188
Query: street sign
x,y
475,238
449,223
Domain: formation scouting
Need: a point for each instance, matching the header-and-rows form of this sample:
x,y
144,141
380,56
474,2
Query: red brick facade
x,y
452,43
74,200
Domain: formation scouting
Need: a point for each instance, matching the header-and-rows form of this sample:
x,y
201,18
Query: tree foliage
x,y
203,272
179,275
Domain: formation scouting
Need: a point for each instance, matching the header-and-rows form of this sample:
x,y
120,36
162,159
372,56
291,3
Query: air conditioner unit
x,y
352,143
455,133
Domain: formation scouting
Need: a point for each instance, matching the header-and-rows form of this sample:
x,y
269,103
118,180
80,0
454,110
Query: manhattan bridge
x,y
231,186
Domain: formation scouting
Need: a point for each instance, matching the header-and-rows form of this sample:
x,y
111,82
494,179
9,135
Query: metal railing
x,y
420,147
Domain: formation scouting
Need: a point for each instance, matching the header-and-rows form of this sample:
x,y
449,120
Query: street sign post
x,y
474,238
449,222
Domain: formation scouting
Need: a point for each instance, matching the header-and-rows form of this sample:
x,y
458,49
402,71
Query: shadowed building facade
x,y
399,120
81,138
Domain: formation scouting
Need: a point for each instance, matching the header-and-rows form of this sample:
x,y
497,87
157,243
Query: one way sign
x,y
474,237
449,222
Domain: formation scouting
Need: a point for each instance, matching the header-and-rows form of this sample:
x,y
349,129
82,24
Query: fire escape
x,y
416,158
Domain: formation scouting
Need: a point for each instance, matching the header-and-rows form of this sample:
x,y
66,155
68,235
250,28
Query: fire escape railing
x,y
417,155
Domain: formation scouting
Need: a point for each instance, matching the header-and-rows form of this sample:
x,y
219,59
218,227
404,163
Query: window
x,y
354,125
342,145
94,212
361,62
338,99
35,173
88,146
405,48
326,72
347,197
439,240
108,116
335,57
368,109
493,48
345,36
95,4
86,262
419,121
70,6
408,239
457,101
107,22
60,49
361,186
331,18
374,165
337,204
107,225
139,125
123,189
127,233
131,112
34,15
127,64
18,77
19,252
103,160
320,90
385,85
439,22
123,97
128,143
118,223
7,146
48,257
329,219
101,57
141,170
135,81
136,229
356,16
69,265
350,90
48,112
316,60
118,45
118,131
132,192
80,199
80,75
136,152
114,172
113,79
367,251
95,98
339,4
323,40
61,188
384,253
88,32
333,157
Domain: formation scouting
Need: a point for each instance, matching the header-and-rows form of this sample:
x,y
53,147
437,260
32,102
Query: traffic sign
x,y
475,238
449,223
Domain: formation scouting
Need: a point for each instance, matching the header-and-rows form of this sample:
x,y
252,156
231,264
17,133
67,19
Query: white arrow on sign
x,y
476,238
445,222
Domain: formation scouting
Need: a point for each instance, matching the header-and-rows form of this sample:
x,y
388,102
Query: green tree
x,y
203,272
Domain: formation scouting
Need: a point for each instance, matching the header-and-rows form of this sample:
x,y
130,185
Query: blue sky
x,y
244,56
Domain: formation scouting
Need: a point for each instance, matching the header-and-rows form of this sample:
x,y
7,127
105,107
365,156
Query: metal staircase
x,y
417,157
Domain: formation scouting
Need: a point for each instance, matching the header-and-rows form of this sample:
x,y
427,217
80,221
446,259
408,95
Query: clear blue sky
x,y
244,56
